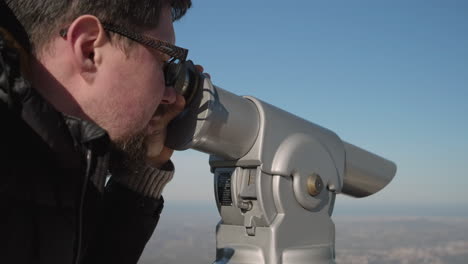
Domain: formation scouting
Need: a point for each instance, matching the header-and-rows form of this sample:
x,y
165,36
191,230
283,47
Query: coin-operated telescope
x,y
275,175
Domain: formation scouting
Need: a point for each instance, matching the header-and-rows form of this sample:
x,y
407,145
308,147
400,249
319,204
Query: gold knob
x,y
314,184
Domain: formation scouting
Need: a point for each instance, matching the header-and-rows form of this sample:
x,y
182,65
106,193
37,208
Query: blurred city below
x,y
186,234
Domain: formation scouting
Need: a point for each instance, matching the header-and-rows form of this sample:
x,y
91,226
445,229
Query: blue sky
x,y
388,76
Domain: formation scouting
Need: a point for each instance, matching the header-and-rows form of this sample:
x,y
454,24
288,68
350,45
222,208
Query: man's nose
x,y
169,96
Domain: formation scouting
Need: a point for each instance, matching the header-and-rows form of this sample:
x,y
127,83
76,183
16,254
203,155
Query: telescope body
x,y
276,176
228,126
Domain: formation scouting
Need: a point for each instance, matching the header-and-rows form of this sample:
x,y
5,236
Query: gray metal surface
x,y
366,173
286,224
295,236
263,159
217,122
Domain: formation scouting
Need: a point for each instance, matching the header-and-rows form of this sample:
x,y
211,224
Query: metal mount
x,y
272,202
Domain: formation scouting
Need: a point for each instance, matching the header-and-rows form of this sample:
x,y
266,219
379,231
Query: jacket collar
x,y
14,34
10,23
85,131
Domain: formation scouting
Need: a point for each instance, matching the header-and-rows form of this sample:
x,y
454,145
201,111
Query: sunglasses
x,y
173,67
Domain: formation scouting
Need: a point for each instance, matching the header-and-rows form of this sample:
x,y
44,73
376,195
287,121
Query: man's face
x,y
129,92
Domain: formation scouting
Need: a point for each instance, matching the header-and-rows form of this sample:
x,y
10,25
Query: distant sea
x,y
384,234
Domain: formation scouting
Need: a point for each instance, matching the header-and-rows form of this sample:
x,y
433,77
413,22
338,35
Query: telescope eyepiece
x,y
184,77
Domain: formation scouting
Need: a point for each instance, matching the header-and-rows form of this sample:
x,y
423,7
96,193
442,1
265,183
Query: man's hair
x,y
42,19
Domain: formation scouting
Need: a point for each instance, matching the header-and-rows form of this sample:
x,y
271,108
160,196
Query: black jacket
x,y
54,207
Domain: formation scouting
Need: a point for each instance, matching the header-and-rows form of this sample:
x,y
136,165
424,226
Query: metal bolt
x,y
245,205
314,184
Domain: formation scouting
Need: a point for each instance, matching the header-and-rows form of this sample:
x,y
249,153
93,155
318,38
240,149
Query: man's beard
x,y
128,154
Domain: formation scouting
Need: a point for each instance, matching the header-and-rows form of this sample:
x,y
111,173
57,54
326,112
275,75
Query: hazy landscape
x,y
186,234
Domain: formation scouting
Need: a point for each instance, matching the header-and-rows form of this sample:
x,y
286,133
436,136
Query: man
x,y
85,94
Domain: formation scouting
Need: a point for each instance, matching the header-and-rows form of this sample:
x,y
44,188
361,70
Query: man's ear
x,y
86,36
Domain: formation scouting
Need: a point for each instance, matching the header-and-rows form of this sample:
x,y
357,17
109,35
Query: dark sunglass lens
x,y
170,73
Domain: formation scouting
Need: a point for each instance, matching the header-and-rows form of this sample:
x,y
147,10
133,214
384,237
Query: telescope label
x,y
224,189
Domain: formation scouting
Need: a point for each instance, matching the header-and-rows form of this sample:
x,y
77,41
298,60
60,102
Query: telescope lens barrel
x,y
365,172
